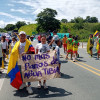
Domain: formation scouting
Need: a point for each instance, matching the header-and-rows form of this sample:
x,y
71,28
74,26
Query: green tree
x,y
78,20
10,27
2,30
88,19
46,21
91,19
63,29
64,20
20,24
94,20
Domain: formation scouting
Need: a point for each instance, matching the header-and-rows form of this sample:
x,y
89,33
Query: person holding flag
x,y
23,46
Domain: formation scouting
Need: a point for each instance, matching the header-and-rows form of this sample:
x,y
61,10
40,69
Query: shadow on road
x,y
65,76
64,61
44,93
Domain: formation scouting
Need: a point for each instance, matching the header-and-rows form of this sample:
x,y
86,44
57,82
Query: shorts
x,y
65,45
70,51
74,51
98,51
90,48
4,50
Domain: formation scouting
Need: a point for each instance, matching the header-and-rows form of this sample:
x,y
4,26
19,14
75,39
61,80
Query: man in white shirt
x,y
55,38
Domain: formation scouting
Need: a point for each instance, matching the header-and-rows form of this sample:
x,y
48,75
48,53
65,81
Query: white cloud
x,y
15,17
3,23
11,5
66,8
19,10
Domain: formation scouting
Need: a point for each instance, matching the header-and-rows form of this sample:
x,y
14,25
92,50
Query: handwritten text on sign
x,y
39,67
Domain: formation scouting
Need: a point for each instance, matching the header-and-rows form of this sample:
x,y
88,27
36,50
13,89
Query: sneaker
x,y
39,85
45,87
29,90
22,86
97,58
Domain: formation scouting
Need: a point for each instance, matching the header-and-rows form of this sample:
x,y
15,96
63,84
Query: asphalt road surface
x,y
79,81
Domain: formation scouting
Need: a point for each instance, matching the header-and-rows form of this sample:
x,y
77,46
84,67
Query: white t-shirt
x,y
55,38
42,48
4,44
22,47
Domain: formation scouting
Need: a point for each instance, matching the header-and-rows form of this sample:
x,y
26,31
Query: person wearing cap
x,y
23,46
55,38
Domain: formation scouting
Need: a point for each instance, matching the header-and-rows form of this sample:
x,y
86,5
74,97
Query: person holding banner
x,y
23,46
42,48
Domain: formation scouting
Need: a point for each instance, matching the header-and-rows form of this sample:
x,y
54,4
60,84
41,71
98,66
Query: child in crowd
x,y
64,43
98,47
75,48
57,49
13,42
91,44
42,47
69,46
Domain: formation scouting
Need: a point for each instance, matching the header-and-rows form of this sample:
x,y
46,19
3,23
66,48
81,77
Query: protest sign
x,y
35,67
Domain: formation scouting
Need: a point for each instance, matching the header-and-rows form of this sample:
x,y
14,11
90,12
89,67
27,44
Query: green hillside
x,y
82,30
28,29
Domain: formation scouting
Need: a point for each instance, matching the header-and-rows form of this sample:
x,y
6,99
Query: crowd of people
x,y
45,43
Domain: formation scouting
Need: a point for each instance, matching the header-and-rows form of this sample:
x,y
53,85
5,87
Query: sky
x,y
12,11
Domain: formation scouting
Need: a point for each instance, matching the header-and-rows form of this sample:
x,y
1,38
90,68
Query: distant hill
x,y
82,30
28,29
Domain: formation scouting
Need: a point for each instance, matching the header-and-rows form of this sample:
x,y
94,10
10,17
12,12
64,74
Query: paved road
x,y
79,81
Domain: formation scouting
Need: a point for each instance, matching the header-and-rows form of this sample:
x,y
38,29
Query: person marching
x,y
13,42
23,46
4,44
75,48
64,43
55,38
91,44
42,47
57,49
98,47
69,46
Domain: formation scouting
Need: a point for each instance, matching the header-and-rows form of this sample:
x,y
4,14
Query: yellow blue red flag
x,y
13,69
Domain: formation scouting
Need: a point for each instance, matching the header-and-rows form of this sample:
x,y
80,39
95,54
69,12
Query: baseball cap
x,y
22,32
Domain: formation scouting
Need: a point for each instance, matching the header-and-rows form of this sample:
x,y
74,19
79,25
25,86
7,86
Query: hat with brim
x,y
22,32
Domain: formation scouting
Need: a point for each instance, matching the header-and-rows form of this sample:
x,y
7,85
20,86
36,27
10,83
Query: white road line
x,y
2,77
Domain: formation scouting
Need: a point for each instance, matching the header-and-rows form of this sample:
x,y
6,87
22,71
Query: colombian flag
x,y
95,34
13,70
